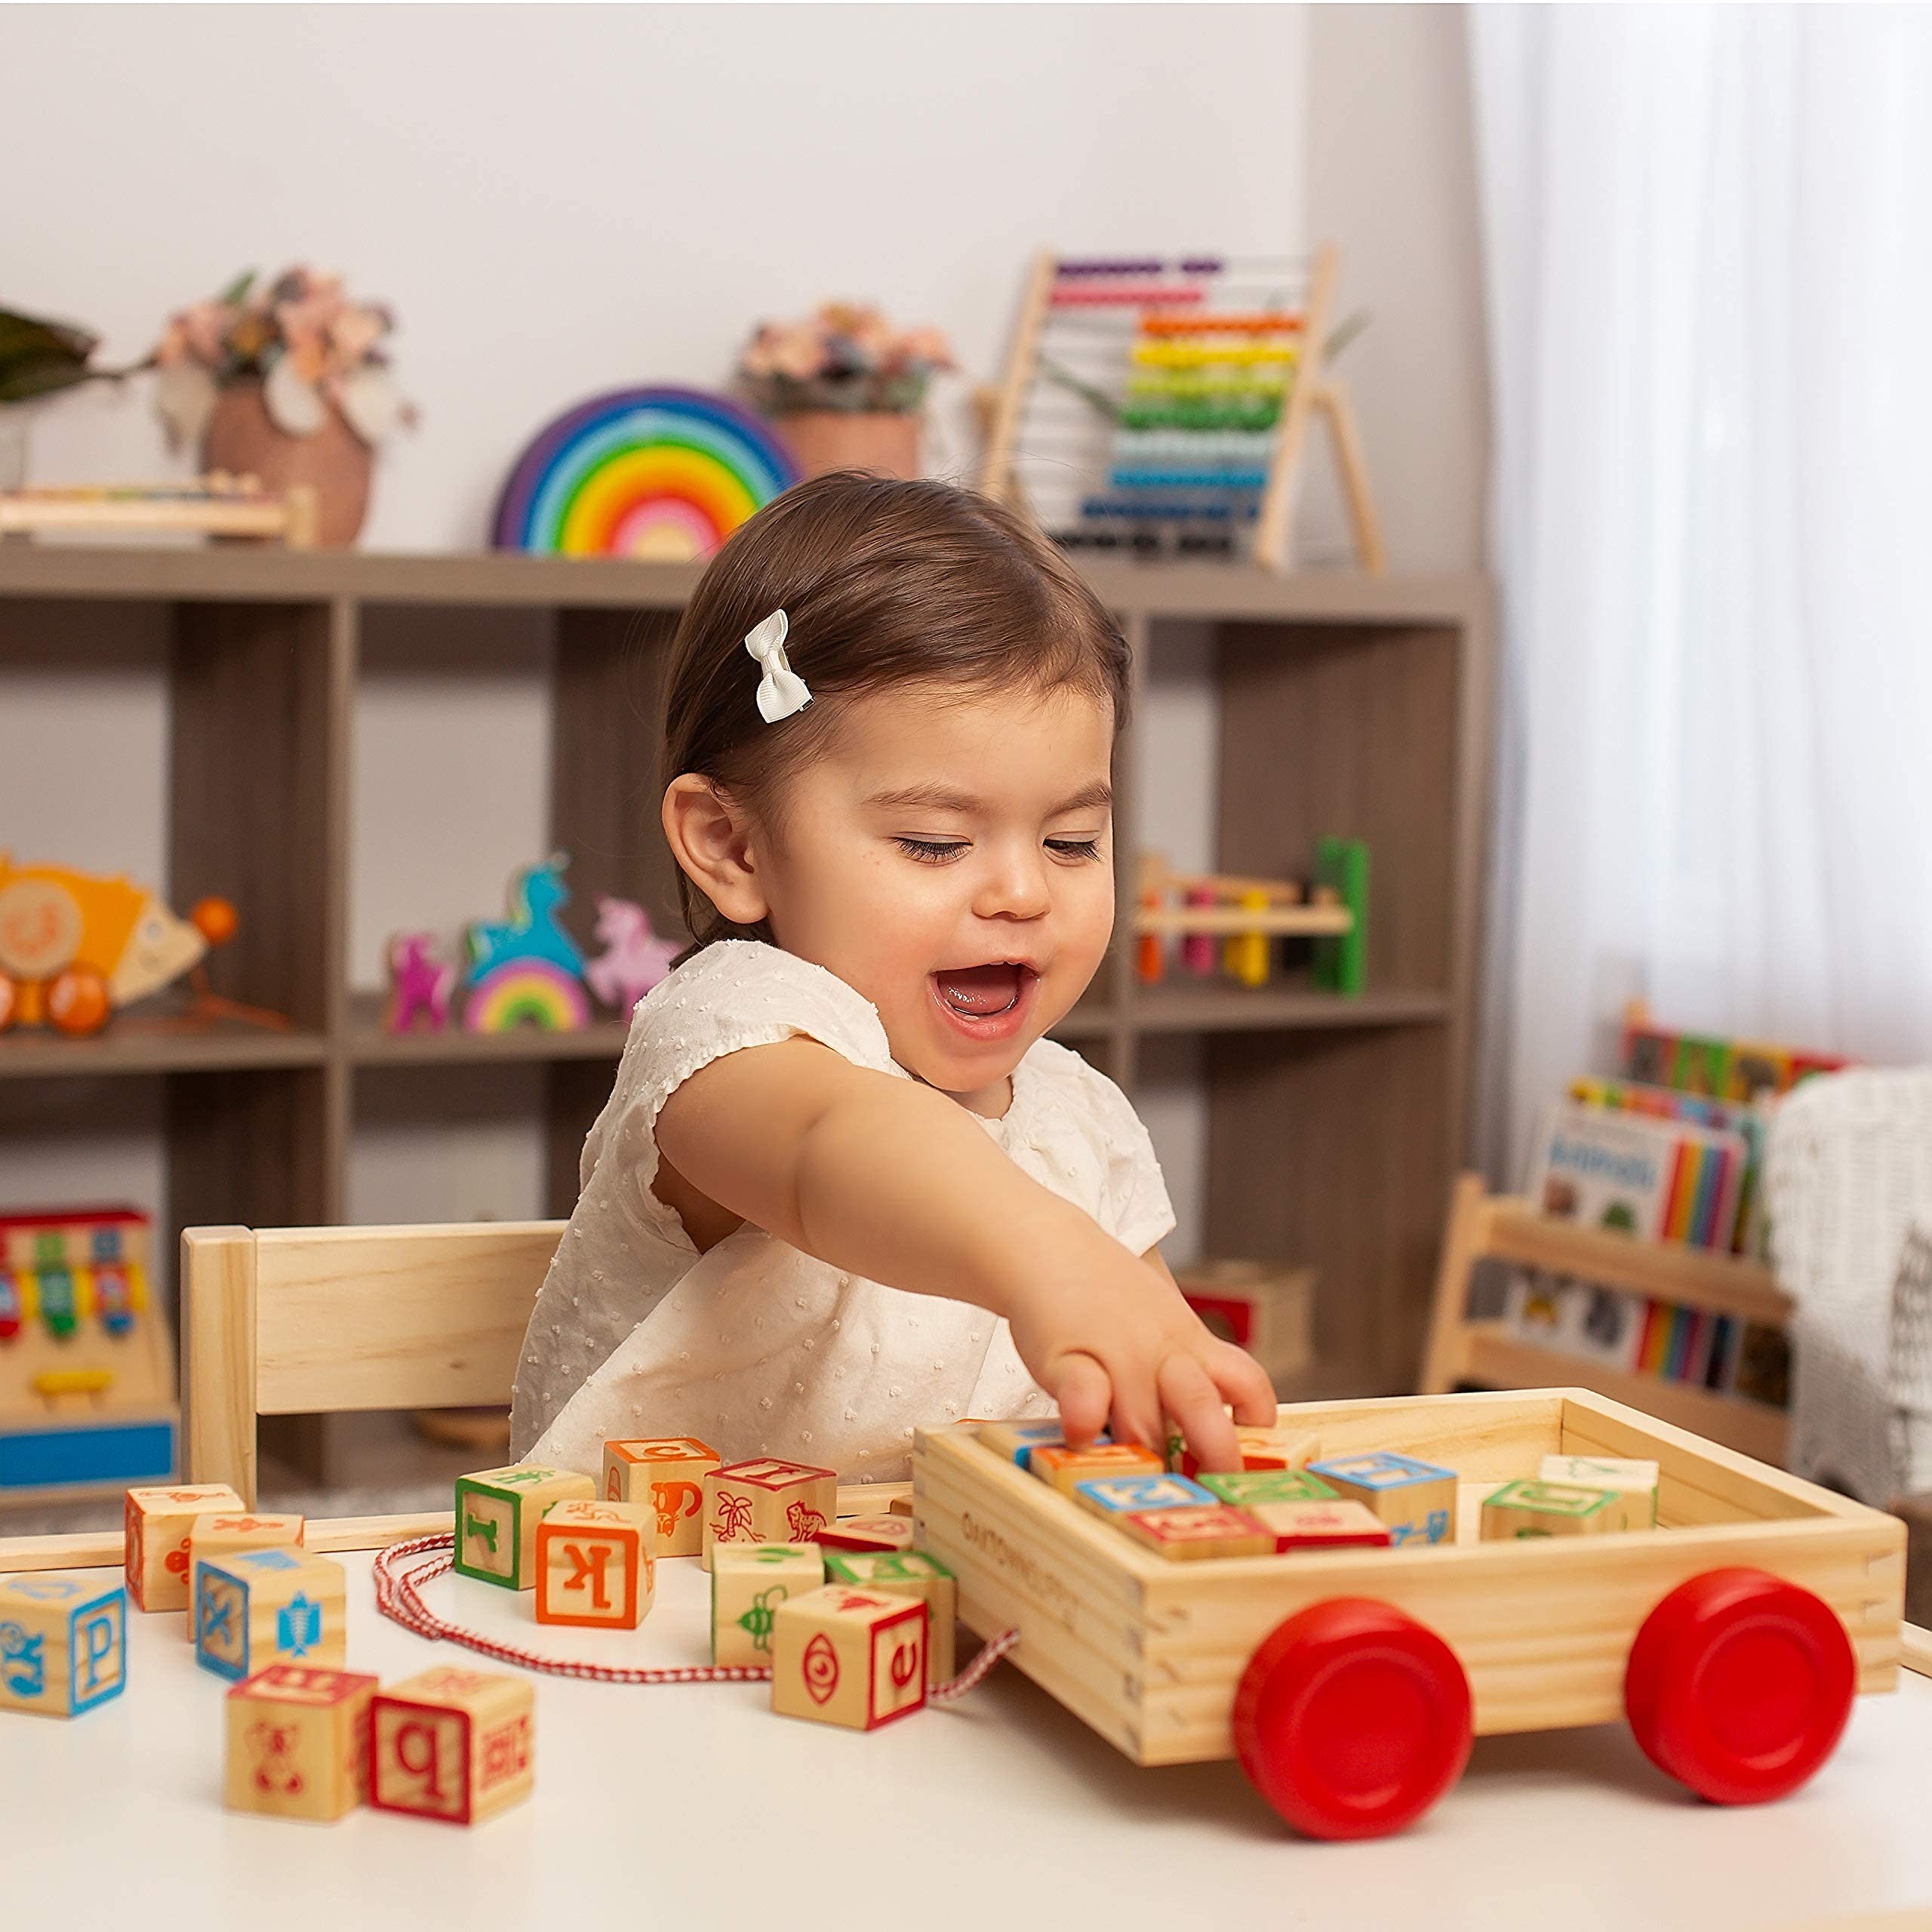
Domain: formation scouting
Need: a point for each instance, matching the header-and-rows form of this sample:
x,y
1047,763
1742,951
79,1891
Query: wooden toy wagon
x,y
1733,1636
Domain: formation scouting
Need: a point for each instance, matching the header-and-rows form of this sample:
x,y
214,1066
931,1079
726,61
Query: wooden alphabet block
x,y
260,1607
454,1744
848,1656
1336,1525
1016,1440
497,1511
1254,1486
1184,1536
668,1473
909,1572
886,1532
1531,1508
298,1742
594,1566
218,1534
1066,1468
766,1501
155,1523
749,1581
63,1643
1635,1481
1417,1500
1275,1448
1121,1496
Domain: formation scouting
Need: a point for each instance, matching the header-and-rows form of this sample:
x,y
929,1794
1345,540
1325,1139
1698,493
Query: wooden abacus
x,y
1162,406
218,505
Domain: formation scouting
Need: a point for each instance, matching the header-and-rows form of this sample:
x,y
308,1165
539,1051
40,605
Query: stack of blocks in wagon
x,y
847,1656
497,1511
452,1744
298,1743
668,1473
156,1523
63,1643
594,1566
766,1501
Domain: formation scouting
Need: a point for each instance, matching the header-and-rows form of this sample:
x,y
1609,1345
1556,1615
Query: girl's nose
x,y
1014,886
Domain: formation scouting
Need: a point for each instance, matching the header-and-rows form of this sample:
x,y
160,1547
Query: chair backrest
x,y
310,1321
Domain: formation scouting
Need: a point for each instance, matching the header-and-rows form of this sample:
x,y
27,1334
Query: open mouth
x,y
983,993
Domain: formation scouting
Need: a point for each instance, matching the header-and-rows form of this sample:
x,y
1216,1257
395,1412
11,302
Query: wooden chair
x,y
310,1321
1486,1355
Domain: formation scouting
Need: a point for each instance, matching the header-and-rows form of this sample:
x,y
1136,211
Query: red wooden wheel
x,y
1352,1719
1739,1684
78,1001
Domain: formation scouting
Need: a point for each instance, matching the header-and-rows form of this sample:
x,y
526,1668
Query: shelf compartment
x,y
1176,1006
138,1042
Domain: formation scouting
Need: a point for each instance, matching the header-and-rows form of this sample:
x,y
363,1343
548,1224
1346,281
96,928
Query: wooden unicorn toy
x,y
634,959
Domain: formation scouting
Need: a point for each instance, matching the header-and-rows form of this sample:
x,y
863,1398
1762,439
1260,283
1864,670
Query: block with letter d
x,y
497,1511
454,1744
63,1643
849,1657
594,1565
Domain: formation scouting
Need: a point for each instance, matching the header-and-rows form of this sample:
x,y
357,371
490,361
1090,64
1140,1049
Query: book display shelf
x,y
1349,705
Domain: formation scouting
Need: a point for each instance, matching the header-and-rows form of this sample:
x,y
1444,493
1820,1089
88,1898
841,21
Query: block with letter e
x,y
63,1643
1416,1501
767,1501
668,1473
907,1572
497,1511
298,1742
594,1565
849,1657
454,1744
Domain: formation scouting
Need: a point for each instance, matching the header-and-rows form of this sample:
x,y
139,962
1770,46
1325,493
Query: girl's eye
x,y
934,851
1075,848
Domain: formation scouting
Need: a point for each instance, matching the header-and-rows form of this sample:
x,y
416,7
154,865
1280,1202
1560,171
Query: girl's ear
x,y
711,841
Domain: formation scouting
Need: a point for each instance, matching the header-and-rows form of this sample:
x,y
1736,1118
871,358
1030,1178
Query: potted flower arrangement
x,y
287,381
38,358
844,387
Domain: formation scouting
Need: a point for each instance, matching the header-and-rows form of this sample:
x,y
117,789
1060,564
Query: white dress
x,y
756,1347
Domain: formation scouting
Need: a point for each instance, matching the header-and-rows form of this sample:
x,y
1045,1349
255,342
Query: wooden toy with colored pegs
x,y
594,1565
909,1572
1535,1508
749,1581
156,1526
258,1607
1248,916
1161,406
454,1744
236,508
217,1534
768,1500
667,1471
1416,1499
63,1643
497,1511
87,1362
298,1743
1064,1468
847,1656
1635,1482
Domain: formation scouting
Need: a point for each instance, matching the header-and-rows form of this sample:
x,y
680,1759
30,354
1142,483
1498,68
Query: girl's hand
x,y
1107,1335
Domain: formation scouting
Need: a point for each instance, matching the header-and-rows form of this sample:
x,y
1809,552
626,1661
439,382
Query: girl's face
x,y
952,860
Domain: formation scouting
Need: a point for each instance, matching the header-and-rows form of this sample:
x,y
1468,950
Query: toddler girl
x,y
890,721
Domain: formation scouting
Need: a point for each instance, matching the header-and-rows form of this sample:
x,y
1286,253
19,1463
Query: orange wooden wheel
x,y
77,1001
10,1002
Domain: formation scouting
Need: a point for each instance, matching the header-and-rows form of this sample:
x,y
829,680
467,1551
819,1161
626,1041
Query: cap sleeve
x,y
735,993
1136,1210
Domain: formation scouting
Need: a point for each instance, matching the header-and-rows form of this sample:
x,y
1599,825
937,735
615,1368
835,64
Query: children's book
x,y
1658,1180
1720,1069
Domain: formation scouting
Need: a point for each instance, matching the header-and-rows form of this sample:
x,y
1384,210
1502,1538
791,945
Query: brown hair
x,y
883,582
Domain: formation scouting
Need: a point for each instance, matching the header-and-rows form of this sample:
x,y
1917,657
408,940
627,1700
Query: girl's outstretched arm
x,y
888,1179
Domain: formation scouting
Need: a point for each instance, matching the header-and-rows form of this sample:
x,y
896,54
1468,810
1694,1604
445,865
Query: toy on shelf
x,y
420,985
1483,1629
1717,1069
1162,406
216,504
63,1643
74,948
665,473
297,1745
1234,924
87,1363
634,959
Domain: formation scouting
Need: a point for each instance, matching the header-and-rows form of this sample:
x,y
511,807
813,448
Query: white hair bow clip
x,y
781,690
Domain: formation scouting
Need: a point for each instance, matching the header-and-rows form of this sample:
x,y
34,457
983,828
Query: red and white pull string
x,y
399,1584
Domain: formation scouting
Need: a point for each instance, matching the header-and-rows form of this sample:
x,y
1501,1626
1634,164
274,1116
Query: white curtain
x,y
1708,238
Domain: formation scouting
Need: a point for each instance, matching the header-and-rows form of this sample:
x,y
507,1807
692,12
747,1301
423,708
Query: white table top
x,y
689,1807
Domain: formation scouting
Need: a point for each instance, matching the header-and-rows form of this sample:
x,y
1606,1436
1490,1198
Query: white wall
x,y
559,199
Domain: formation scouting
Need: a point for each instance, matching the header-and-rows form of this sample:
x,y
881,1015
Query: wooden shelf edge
x,y
43,1057
1499,1360
1239,1010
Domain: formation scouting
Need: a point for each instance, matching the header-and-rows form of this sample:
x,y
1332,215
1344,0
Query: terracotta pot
x,y
885,440
335,463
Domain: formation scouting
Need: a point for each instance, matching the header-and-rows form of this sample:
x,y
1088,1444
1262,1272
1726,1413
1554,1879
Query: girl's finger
x,y
1137,1413
1243,1383
1188,1395
1083,1395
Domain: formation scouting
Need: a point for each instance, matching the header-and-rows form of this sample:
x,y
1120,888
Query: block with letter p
x,y
848,1656
667,1472
454,1744
594,1565
767,1501
63,1643
497,1511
